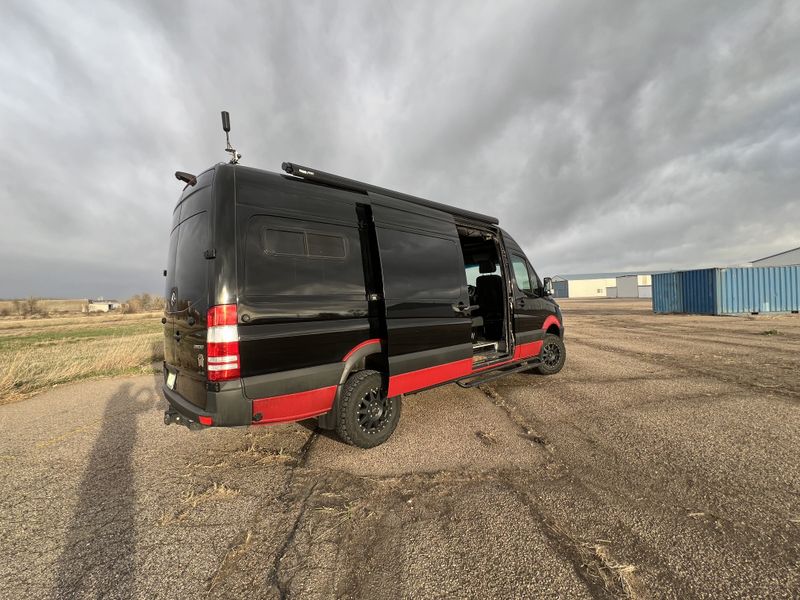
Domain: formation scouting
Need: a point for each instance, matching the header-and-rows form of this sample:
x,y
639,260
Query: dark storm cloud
x,y
606,136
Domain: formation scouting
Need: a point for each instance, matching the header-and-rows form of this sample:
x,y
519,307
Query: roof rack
x,y
359,186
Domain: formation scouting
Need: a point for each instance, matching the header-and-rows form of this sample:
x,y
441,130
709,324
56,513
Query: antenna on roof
x,y
226,127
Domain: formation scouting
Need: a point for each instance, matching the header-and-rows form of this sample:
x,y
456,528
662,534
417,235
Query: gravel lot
x,y
662,462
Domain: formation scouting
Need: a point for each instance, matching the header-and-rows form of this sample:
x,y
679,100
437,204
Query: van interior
x,y
486,286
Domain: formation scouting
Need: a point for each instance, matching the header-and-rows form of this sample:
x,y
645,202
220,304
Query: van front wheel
x,y
553,355
366,417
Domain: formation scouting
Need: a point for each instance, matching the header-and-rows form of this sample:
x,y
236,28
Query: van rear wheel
x,y
366,417
553,355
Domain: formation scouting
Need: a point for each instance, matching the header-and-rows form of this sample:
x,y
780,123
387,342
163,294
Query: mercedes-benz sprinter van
x,y
305,294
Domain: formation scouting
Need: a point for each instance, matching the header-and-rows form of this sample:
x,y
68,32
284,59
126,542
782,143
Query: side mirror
x,y
548,286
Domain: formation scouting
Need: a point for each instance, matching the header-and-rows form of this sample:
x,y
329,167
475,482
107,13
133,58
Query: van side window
x,y
291,243
329,246
537,283
304,243
290,257
521,275
419,267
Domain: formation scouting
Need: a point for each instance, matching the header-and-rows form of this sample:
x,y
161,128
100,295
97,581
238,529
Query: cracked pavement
x,y
662,462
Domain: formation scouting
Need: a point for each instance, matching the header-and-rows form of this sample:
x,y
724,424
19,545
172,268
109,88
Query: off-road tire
x,y
365,416
553,355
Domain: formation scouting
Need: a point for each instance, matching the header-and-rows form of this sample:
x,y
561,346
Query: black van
x,y
305,294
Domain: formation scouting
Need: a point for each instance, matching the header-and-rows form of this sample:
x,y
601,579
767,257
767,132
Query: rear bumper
x,y
186,409
226,407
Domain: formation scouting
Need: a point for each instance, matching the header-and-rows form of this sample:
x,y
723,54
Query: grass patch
x,y
21,340
37,354
599,566
770,332
191,500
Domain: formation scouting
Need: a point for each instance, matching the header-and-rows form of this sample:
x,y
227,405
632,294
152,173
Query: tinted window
x,y
331,246
419,267
171,260
304,243
284,242
535,281
290,257
521,276
188,268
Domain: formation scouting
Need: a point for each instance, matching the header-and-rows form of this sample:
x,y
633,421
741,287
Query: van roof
x,y
311,174
297,172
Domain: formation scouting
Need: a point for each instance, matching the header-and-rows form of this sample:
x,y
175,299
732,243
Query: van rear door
x,y
187,292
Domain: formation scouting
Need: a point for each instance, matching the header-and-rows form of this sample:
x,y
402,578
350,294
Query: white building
x,y
782,259
101,305
597,285
634,286
601,285
582,286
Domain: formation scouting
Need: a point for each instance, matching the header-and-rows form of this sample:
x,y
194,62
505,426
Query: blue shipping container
x,y
728,291
759,289
699,291
667,293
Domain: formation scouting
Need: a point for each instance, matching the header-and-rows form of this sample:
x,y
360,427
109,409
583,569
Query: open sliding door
x,y
425,291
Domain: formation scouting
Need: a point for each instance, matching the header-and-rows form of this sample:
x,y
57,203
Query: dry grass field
x,y
39,353
49,305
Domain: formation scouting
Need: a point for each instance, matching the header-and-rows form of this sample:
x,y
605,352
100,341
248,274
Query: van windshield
x,y
187,268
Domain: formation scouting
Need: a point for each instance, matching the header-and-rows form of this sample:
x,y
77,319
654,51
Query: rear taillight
x,y
222,343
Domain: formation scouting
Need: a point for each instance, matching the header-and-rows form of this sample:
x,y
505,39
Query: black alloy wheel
x,y
374,411
552,356
365,415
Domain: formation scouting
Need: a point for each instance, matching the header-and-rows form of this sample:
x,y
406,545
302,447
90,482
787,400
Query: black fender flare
x,y
355,360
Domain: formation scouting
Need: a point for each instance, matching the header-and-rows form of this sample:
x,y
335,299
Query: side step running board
x,y
479,379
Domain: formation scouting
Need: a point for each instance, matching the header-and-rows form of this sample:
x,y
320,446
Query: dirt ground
x,y
663,462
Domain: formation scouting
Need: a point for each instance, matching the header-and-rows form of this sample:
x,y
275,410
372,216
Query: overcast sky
x,y
607,136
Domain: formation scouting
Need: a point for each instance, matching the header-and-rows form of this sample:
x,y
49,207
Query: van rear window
x,y
187,267
190,264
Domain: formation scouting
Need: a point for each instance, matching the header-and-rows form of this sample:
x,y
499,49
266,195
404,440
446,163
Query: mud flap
x,y
328,420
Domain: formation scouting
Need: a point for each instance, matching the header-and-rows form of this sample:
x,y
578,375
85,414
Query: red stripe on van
x,y
551,320
294,407
528,350
416,380
359,347
406,383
